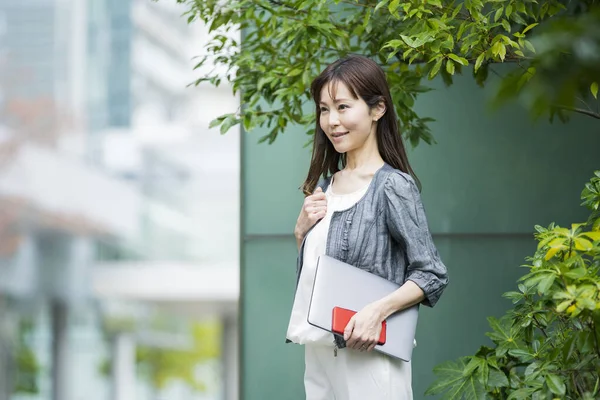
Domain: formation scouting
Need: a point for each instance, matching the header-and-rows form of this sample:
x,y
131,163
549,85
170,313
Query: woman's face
x,y
347,122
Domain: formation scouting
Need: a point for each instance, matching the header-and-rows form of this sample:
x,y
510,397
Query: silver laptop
x,y
338,284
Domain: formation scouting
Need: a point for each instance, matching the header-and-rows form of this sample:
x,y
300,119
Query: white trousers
x,y
355,375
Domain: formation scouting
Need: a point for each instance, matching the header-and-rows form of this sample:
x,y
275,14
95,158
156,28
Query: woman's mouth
x,y
336,136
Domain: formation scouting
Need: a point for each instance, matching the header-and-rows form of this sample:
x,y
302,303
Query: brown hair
x,y
365,79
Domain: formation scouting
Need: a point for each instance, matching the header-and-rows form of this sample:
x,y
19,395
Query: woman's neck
x,y
365,158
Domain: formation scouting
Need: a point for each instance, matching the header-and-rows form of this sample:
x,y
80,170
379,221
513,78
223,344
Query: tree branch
x,y
581,111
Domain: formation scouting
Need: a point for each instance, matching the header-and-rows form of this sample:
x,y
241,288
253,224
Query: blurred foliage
x,y
552,45
160,366
548,345
27,366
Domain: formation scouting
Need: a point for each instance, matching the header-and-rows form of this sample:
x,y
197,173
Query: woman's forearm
x,y
299,239
405,296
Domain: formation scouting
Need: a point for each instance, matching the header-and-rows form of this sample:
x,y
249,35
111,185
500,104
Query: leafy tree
x,y
552,45
160,365
27,367
549,343
545,54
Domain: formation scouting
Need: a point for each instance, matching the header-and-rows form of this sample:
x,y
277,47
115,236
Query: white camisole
x,y
299,330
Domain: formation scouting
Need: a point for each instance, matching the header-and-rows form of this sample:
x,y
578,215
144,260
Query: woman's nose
x,y
333,119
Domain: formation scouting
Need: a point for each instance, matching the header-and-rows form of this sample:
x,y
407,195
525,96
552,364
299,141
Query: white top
x,y
299,330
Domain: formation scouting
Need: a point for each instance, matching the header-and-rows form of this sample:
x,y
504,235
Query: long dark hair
x,y
365,79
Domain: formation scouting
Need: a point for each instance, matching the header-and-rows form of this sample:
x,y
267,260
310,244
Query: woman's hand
x,y
363,330
313,209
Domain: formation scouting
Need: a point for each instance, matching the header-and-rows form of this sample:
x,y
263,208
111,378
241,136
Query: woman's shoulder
x,y
395,180
324,183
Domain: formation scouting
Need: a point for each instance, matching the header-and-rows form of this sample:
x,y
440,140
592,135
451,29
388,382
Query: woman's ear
x,y
379,110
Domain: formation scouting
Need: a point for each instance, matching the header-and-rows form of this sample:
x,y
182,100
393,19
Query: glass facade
x,y
118,207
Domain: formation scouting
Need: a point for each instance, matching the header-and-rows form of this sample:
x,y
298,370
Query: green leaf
x,y
563,306
454,383
530,27
460,60
522,355
457,10
419,40
498,49
393,6
449,374
247,122
479,61
381,4
522,394
475,363
594,89
552,252
484,371
568,348
584,341
497,379
592,235
531,369
515,297
450,67
546,283
506,25
529,46
498,14
555,384
215,122
227,123
394,43
435,68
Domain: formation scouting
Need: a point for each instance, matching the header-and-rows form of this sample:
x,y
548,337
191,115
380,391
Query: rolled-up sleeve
x,y
407,224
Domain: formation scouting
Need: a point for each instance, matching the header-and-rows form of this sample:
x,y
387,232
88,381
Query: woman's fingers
x,y
358,340
317,212
318,203
349,329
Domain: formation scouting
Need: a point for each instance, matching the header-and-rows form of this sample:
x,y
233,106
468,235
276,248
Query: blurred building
x,y
117,203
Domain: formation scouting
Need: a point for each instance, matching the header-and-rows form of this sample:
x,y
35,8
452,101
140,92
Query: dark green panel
x,y
489,173
483,168
480,271
272,176
271,368
499,172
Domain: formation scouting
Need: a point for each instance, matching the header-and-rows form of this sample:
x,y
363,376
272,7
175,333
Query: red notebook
x,y
341,317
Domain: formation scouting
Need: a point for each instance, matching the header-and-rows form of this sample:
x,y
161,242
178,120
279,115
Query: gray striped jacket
x,y
386,233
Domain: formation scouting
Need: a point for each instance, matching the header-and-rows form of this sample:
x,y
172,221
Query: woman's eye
x,y
323,109
343,106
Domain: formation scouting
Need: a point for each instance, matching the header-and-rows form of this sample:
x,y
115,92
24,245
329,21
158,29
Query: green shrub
x,y
548,345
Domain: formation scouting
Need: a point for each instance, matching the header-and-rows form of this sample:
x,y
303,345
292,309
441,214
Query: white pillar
x,y
60,350
123,367
6,340
230,360
67,292
19,276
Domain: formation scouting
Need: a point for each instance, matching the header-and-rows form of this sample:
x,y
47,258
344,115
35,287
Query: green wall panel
x,y
481,270
490,178
273,175
483,168
271,368
500,172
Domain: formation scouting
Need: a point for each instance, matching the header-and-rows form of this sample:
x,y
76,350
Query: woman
x,y
367,213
